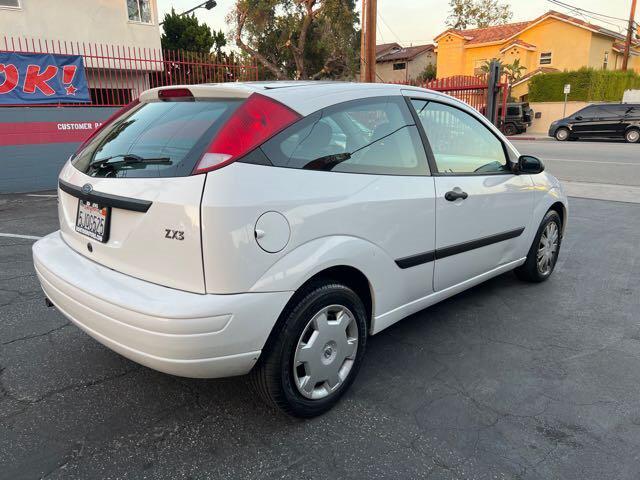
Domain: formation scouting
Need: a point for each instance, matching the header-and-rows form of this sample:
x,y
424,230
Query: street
x,y
609,162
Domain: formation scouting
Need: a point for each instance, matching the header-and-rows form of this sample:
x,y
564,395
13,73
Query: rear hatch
x,y
128,199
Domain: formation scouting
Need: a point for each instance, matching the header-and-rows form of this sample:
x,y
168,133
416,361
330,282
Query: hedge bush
x,y
587,85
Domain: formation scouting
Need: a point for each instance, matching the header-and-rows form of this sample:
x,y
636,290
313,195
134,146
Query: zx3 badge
x,y
173,234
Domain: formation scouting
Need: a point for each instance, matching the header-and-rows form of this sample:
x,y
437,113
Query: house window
x,y
10,3
605,63
545,58
139,10
399,66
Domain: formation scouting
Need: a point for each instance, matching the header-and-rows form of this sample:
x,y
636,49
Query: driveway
x,y
505,381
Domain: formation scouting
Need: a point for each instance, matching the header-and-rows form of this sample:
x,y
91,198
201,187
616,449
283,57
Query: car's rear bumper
x,y
169,330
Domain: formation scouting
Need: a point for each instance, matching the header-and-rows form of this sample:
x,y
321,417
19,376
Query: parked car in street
x,y
270,228
518,117
609,120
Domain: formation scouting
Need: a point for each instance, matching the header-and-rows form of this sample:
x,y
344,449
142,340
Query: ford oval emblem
x,y
87,188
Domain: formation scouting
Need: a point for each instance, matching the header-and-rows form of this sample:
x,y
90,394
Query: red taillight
x,y
257,120
175,93
118,113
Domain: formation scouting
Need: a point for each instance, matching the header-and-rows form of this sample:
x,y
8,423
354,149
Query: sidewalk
x,y
530,137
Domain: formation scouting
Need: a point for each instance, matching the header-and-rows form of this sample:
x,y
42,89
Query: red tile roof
x,y
407,53
504,32
538,70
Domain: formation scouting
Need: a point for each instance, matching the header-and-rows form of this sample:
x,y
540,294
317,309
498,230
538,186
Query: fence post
x,y
493,88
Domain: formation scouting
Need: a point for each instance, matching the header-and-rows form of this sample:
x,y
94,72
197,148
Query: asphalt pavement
x,y
505,381
604,162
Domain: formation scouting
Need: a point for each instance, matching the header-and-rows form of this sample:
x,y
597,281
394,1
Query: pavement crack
x,y
29,337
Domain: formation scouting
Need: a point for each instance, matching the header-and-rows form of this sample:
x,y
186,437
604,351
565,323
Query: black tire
x,y
510,129
530,271
632,135
273,376
562,134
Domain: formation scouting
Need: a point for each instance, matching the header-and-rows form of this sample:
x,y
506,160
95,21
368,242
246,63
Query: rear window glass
x,y
155,139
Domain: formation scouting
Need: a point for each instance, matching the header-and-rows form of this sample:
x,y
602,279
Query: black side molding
x,y
480,242
414,260
106,199
426,257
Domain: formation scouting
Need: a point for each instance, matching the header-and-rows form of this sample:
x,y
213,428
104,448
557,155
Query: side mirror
x,y
579,117
529,165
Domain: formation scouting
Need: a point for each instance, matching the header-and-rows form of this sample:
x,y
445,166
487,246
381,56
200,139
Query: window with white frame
x,y
605,62
10,3
545,58
139,11
399,66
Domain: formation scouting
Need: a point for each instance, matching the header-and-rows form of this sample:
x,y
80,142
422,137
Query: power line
x,y
588,14
573,7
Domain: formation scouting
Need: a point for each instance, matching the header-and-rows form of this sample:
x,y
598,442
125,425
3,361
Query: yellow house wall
x,y
569,45
450,59
600,45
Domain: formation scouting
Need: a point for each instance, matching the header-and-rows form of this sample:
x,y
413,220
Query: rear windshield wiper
x,y
129,159
328,162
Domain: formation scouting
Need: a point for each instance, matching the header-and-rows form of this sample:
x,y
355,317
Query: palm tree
x,y
514,72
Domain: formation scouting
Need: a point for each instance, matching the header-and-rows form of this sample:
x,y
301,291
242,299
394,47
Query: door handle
x,y
452,195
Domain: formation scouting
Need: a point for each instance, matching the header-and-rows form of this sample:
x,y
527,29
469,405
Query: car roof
x,y
297,94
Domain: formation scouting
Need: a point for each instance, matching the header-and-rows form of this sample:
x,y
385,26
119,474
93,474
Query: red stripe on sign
x,y
30,133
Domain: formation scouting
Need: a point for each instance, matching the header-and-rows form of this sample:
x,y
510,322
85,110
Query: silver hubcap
x,y
633,136
562,134
548,248
325,352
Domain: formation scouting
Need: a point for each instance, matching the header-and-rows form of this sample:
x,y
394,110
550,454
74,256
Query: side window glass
x,y
460,143
374,136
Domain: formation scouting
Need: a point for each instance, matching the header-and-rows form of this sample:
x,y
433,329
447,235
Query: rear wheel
x,y
562,134
543,254
632,135
316,354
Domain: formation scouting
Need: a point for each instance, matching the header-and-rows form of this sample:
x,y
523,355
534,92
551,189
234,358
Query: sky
x,y
414,22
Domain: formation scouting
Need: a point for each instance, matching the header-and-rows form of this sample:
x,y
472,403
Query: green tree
x,y
186,33
429,73
486,66
219,42
477,13
299,38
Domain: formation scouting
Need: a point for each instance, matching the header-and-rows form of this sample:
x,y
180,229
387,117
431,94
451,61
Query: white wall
x,y
94,21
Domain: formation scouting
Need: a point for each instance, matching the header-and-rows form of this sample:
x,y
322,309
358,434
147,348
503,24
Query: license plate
x,y
92,220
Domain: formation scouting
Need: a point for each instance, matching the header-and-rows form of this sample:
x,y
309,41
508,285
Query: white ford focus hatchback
x,y
217,230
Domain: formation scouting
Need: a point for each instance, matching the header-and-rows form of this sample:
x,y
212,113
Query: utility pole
x,y
630,32
368,41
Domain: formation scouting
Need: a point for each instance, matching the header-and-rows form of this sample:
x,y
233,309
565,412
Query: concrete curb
x,y
530,138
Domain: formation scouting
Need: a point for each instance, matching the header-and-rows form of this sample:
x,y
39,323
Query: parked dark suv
x,y
619,120
519,116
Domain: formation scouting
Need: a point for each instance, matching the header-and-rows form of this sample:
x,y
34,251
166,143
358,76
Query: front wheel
x,y
632,135
316,354
510,129
562,134
543,254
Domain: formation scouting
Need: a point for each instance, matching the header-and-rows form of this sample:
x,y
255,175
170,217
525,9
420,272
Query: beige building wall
x,y
89,21
549,112
386,73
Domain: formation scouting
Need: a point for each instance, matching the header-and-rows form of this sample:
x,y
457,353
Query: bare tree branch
x,y
241,17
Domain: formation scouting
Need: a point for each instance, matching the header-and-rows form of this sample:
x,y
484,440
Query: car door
x,y
588,122
482,208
